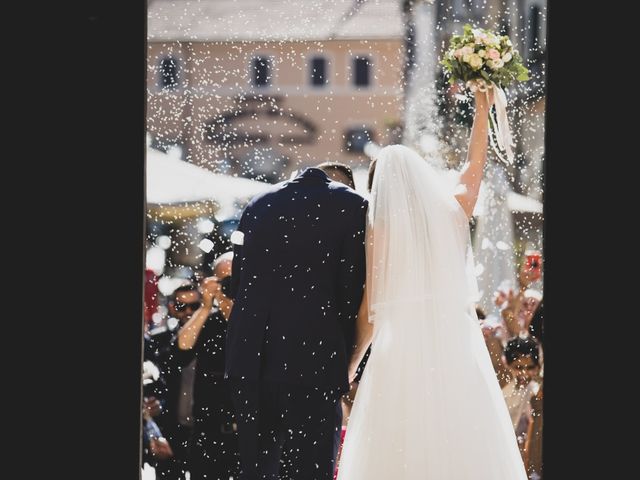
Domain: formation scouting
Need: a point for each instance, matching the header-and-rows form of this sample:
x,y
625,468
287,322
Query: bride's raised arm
x,y
471,175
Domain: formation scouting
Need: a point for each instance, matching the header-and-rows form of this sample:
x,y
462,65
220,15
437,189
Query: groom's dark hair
x,y
327,167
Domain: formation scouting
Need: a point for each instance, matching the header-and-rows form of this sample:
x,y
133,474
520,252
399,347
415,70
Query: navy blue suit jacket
x,y
297,283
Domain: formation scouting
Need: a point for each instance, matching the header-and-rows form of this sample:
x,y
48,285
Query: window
x,y
357,138
169,73
261,72
362,69
318,72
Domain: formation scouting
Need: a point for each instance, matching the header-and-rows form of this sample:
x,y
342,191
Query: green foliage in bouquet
x,y
481,54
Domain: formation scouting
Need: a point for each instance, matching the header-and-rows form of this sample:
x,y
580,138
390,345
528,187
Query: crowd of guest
x,y
186,401
515,344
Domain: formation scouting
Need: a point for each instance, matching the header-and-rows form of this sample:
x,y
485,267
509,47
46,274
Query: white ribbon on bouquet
x,y
499,122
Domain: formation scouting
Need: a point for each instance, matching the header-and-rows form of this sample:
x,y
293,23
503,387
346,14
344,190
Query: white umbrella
x,y
174,181
521,203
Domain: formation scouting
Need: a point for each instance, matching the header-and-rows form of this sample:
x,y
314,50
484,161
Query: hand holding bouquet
x,y
483,61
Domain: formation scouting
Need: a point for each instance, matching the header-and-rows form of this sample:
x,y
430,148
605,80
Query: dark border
x,y
86,152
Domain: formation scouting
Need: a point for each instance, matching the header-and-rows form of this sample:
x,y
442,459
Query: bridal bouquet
x,y
485,60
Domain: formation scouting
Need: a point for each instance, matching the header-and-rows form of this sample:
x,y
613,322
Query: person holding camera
x,y
518,309
214,450
176,419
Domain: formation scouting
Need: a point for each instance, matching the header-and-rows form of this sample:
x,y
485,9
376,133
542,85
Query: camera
x,y
533,260
534,264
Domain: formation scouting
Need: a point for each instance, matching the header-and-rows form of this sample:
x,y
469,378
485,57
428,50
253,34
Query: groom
x,y
298,279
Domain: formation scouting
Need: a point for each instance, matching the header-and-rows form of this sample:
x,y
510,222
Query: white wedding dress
x,y
429,405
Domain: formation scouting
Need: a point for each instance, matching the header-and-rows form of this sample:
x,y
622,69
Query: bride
x,y
428,405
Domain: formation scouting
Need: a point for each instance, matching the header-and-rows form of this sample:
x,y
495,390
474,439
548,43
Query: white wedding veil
x,y
418,242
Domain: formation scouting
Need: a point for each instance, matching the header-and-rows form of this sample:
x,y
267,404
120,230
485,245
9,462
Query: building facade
x,y
259,89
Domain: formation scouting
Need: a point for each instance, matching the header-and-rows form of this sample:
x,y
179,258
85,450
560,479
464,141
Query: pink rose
x,y
493,54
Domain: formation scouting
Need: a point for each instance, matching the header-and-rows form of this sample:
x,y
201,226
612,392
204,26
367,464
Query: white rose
x,y
482,53
506,58
496,64
475,61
